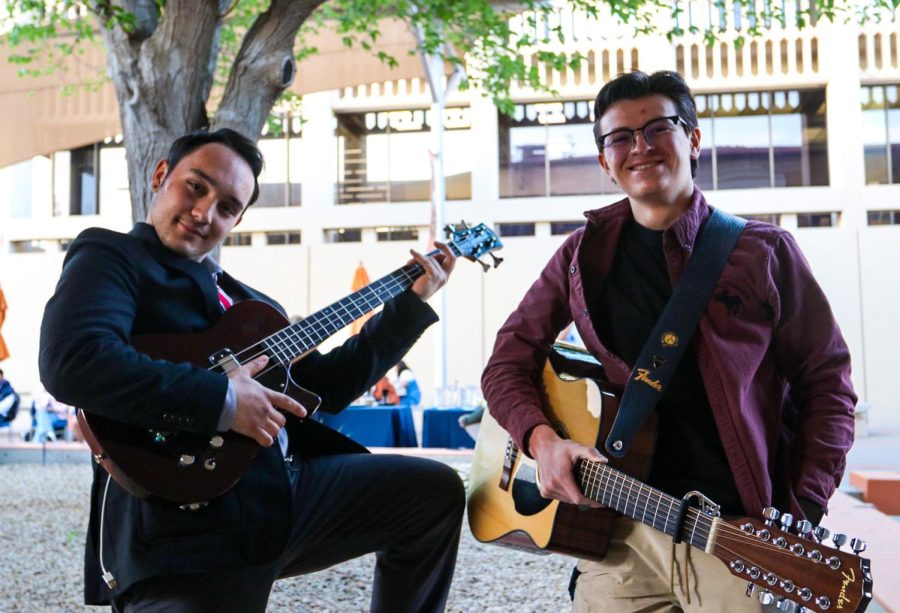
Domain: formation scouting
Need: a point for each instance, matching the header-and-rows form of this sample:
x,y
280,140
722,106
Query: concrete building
x,y
801,126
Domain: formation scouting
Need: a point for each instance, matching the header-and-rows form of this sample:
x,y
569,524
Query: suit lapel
x,y
196,271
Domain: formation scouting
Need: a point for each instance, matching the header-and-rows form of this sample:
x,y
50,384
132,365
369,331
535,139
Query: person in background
x,y
384,393
404,381
9,399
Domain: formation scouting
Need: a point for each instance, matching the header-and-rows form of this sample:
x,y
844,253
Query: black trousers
x,y
408,510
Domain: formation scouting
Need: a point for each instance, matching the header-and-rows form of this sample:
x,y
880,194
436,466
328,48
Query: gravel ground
x,y
44,513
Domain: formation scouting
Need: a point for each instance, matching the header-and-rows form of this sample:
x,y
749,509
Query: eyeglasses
x,y
621,141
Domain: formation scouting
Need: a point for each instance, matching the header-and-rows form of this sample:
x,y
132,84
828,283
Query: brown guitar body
x,y
186,467
580,409
182,466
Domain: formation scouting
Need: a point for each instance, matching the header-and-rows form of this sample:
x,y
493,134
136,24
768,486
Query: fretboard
x,y
648,505
291,342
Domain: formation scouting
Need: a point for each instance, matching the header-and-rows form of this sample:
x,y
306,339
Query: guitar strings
x,y
728,536
293,334
396,280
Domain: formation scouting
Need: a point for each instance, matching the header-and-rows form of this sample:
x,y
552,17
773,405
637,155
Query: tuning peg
x,y
765,598
838,539
786,521
497,261
820,533
857,545
803,527
788,606
484,265
771,515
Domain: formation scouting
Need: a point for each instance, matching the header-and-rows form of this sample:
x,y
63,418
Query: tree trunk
x,y
163,74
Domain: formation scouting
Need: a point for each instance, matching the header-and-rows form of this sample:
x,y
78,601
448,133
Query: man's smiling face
x,y
657,173
198,202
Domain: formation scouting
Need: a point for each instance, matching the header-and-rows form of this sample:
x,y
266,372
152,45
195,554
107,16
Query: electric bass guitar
x,y
790,564
190,469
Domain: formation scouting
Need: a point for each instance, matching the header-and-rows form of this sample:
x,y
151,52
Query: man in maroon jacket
x,y
760,409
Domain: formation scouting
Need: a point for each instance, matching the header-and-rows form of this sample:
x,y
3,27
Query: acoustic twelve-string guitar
x,y
188,468
792,565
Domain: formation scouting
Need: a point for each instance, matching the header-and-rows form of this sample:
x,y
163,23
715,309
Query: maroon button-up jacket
x,y
773,361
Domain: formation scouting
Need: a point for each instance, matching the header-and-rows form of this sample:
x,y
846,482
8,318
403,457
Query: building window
x,y
762,139
515,229
772,218
33,246
76,181
564,227
548,149
283,238
238,239
385,156
343,235
884,218
881,133
397,233
21,179
818,220
280,182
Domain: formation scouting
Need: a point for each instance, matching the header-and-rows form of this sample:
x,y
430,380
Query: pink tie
x,y
224,300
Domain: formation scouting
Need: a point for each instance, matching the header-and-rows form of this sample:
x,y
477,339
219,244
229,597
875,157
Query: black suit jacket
x,y
115,286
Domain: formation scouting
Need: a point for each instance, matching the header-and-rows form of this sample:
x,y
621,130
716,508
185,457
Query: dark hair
x,y
235,141
401,366
636,84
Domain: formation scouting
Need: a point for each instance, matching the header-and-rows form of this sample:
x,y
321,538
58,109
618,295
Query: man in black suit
x,y
296,510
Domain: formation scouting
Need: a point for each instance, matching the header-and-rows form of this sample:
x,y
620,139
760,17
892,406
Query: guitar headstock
x,y
472,243
795,568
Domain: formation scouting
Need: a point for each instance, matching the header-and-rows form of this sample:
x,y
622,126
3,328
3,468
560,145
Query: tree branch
x,y
264,66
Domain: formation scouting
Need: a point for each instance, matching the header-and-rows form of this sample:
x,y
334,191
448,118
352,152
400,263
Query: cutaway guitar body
x,y
505,505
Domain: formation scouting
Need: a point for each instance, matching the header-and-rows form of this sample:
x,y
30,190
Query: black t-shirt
x,y
689,453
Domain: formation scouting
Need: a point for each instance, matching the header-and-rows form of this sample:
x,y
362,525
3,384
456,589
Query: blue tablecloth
x,y
440,428
373,426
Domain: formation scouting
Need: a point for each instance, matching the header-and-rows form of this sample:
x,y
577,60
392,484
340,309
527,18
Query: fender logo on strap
x,y
643,377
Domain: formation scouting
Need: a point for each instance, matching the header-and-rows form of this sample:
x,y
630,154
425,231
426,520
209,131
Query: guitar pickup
x,y
225,360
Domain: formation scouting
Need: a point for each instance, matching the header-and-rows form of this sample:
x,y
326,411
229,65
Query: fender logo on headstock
x,y
848,579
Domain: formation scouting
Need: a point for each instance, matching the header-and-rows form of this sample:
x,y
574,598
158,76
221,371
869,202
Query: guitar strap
x,y
672,334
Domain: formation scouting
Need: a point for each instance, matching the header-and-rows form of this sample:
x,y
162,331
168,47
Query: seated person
x,y
9,399
404,381
384,392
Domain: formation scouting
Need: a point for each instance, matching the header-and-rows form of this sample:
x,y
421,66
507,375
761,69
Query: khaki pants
x,y
636,577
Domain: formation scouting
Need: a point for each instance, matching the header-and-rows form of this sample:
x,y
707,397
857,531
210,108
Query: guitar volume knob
x,y
186,460
209,464
216,441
